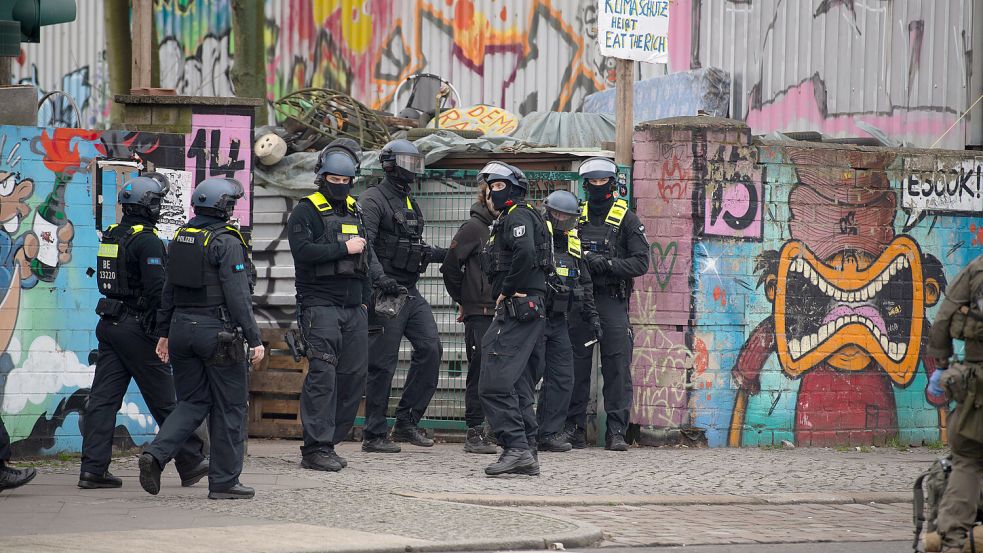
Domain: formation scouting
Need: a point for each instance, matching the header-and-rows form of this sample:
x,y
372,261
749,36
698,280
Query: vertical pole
x,y
6,70
143,14
624,111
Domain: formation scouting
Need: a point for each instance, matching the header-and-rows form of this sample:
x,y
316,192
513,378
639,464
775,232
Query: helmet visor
x,y
561,221
598,168
493,169
410,162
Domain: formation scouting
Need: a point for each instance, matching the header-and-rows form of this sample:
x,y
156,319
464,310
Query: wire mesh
x,y
446,196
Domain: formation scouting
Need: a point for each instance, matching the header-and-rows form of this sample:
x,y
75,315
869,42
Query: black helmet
x,y
562,209
401,160
217,193
520,178
346,146
598,168
493,168
146,191
336,163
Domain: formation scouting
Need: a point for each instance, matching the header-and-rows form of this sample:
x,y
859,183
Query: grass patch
x,y
897,444
937,445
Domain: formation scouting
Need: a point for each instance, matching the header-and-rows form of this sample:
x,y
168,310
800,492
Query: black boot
x,y
235,492
477,442
576,436
193,476
320,460
615,442
150,471
92,481
514,461
11,478
412,434
555,442
341,460
379,444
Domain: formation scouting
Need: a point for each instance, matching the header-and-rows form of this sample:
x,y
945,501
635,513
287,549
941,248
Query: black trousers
x,y
616,348
125,353
509,362
556,370
417,323
337,339
475,327
4,443
205,388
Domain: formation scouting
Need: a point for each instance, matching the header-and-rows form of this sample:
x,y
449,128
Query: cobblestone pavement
x,y
642,471
627,525
623,494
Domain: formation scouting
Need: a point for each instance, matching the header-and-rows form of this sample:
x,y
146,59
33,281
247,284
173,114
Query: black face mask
x,y
599,194
401,178
335,191
500,198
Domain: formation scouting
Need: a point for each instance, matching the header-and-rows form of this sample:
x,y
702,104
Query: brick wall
x,y
793,285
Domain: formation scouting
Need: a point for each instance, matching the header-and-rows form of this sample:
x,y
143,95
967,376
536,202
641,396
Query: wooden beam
x,y
624,111
143,14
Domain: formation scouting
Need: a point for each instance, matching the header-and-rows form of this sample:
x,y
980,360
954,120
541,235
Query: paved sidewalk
x,y
439,499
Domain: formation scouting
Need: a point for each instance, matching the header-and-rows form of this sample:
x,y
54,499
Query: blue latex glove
x,y
934,381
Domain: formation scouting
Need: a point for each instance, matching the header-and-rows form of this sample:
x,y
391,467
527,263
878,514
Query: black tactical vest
x,y
399,242
603,239
340,228
567,270
196,281
114,278
496,257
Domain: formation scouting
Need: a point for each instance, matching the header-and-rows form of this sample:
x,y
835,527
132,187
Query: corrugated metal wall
x,y
905,67
71,58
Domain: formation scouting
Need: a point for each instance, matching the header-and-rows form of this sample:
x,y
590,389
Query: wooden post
x,y
143,13
624,121
6,70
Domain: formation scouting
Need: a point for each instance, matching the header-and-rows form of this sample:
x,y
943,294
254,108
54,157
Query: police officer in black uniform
x,y
10,477
570,294
331,259
205,314
615,248
518,258
394,227
131,276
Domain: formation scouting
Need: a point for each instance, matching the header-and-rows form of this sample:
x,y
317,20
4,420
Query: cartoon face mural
x,y
849,300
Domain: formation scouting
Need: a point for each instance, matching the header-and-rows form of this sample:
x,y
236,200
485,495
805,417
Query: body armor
x,y
399,243
340,228
603,240
114,278
567,291
196,281
497,258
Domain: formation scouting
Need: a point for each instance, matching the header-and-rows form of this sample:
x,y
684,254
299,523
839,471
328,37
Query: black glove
x,y
387,285
597,264
595,323
436,254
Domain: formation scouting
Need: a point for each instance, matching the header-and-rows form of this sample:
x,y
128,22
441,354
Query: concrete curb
x,y
829,498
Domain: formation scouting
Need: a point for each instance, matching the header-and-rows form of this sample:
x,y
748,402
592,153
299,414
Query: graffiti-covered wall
x,y
793,285
50,217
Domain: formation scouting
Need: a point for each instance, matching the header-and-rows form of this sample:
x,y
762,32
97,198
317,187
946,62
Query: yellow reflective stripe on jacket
x,y
615,215
322,203
108,250
573,244
349,229
409,205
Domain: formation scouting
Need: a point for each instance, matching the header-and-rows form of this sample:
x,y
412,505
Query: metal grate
x,y
446,196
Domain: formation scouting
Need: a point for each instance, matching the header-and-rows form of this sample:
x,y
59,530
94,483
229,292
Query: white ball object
x,y
270,149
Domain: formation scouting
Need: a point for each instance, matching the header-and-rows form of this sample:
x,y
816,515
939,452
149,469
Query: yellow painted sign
x,y
490,119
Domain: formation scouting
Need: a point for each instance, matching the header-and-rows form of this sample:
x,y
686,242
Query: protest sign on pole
x,y
631,30
634,29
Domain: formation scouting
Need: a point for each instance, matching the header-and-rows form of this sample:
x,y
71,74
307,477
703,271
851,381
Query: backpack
x,y
928,491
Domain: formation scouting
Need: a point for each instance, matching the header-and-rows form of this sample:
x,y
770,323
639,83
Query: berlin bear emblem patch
x,y
519,231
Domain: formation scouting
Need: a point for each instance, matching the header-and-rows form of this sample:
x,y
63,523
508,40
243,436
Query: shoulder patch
x,y
239,267
519,231
155,261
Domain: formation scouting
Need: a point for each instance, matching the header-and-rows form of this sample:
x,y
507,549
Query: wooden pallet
x,y
274,390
